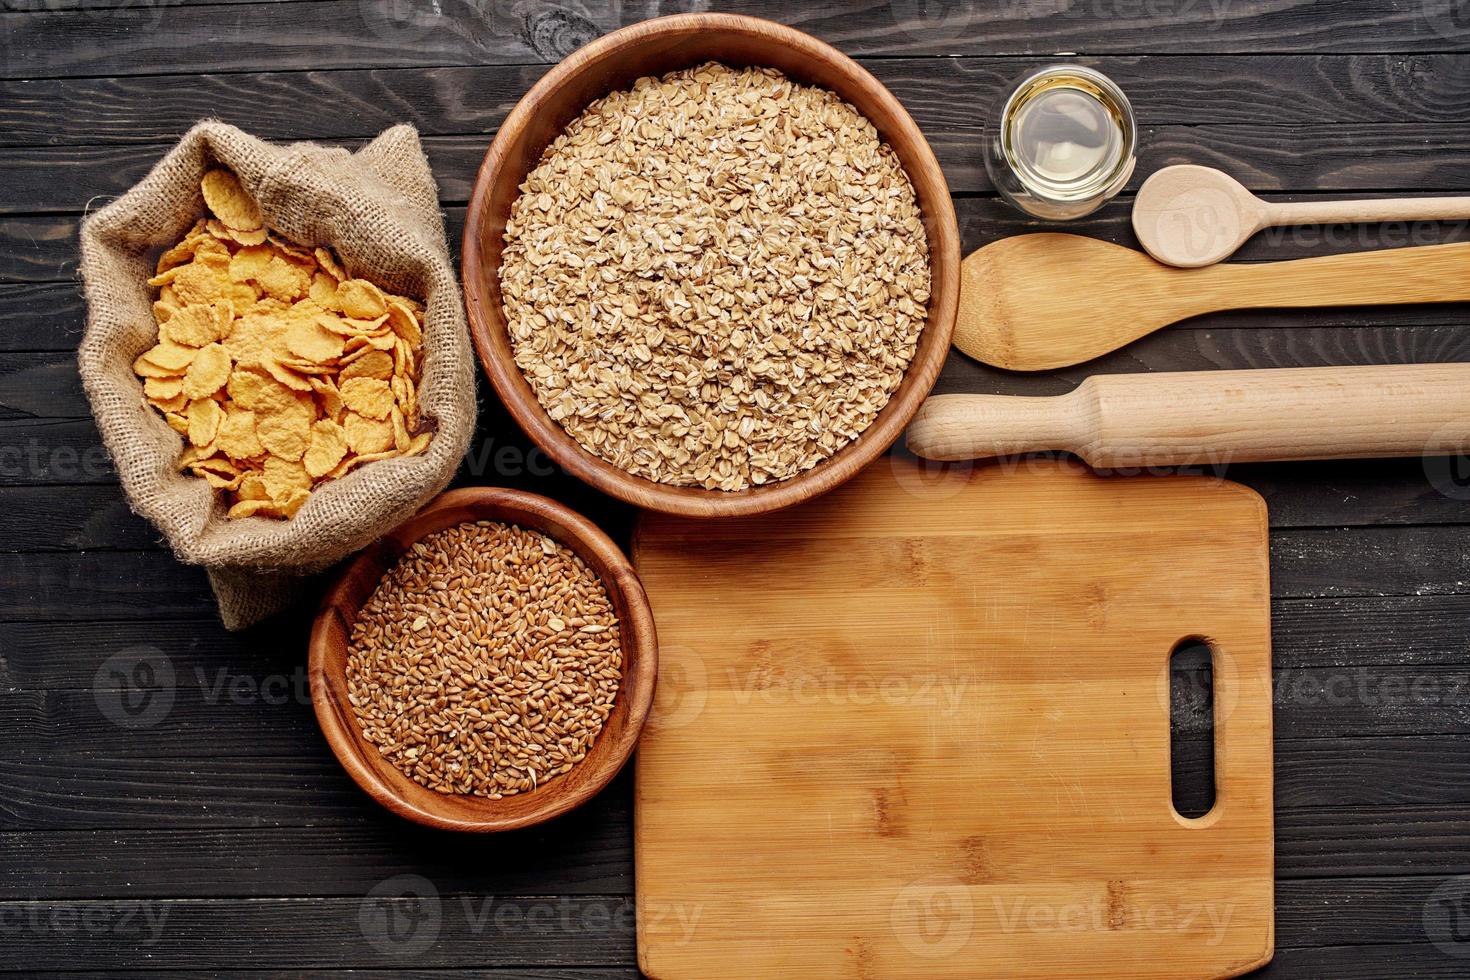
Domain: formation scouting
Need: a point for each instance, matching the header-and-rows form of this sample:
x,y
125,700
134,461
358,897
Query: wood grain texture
x,y
1307,158
1345,562
330,34
1423,94
655,48
305,935
851,812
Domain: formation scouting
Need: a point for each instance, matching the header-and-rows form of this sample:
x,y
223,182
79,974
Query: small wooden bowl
x,y
614,744
655,47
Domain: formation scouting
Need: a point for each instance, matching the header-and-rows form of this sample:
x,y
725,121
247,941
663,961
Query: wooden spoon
x,y
1043,301
1192,216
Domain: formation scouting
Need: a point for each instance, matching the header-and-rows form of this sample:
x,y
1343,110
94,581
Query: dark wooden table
x,y
166,801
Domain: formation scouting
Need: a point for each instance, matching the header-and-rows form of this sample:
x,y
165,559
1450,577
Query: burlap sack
x,y
378,208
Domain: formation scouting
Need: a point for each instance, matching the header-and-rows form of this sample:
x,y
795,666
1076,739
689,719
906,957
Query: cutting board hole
x,y
1192,727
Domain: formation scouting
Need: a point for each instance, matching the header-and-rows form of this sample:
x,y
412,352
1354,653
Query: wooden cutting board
x,y
919,727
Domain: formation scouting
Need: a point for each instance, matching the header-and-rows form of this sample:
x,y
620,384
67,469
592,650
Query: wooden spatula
x,y
1043,301
1193,418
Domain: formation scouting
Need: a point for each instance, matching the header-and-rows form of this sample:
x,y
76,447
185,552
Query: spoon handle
x,y
1213,418
1363,212
1426,274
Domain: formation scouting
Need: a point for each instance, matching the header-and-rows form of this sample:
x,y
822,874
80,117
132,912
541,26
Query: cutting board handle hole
x,y
1192,727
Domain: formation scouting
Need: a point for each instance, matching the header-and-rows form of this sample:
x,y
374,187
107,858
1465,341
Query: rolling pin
x,y
1213,417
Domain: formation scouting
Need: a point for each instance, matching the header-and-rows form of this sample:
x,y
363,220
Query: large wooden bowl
x,y
614,744
614,62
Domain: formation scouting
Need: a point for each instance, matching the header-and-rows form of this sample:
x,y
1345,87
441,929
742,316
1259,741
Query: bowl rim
x,y
941,228
637,635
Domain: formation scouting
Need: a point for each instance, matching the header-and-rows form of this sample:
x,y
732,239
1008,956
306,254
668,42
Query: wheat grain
x,y
486,661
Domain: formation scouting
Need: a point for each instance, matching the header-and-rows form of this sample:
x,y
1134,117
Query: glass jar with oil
x,y
1061,142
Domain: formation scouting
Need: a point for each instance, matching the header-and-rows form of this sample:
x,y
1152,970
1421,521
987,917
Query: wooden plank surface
x,y
229,821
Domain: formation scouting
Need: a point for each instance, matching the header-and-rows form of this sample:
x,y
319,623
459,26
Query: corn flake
x,y
168,357
228,200
199,325
405,323
279,370
367,396
285,374
237,437
361,300
286,433
199,282
329,264
365,435
328,446
205,416
162,389
208,372
310,340
368,364
283,478
284,280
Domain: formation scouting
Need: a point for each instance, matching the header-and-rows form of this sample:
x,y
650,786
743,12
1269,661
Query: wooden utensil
x,y
379,777
654,47
920,728
1043,301
1212,417
1192,216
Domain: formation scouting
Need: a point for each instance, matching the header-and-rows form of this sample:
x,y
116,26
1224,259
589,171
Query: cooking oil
x,y
1062,143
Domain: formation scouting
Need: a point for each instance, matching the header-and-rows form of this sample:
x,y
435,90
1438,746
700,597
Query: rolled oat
x,y
716,278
